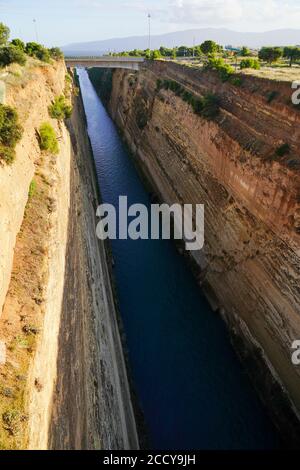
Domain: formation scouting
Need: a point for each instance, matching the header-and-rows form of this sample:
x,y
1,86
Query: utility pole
x,y
35,29
149,32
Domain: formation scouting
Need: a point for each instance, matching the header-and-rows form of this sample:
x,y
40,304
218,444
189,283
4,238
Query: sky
x,y
61,22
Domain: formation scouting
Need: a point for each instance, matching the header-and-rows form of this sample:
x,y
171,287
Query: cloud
x,y
222,12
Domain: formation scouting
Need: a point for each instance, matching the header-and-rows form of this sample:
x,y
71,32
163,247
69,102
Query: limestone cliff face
x,y
30,93
249,267
63,381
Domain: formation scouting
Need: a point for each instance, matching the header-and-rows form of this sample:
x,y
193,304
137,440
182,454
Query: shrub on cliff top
x,y
56,53
37,50
60,108
47,138
19,44
11,54
224,70
250,64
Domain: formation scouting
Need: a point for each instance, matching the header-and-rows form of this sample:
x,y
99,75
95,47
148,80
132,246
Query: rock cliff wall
x,y
63,382
234,164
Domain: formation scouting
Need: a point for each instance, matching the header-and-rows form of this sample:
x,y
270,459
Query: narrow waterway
x,y
191,387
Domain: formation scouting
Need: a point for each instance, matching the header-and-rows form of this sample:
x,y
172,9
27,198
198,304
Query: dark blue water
x,y
193,391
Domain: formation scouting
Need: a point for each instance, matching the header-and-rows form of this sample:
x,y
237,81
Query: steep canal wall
x,y
100,415
63,381
233,163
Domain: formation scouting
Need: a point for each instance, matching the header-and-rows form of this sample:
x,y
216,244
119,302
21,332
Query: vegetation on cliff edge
x,y
10,133
47,138
206,106
60,108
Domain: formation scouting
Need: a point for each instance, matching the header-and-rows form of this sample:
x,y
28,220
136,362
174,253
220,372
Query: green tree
x,y
270,54
291,53
11,54
209,47
165,51
245,51
19,44
4,34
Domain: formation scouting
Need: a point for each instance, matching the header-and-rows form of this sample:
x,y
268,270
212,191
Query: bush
x,y
210,106
37,50
225,70
56,53
236,81
10,133
60,108
271,96
250,64
10,129
12,420
7,154
11,54
19,44
155,54
284,149
48,141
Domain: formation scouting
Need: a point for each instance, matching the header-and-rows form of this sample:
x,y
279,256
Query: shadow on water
x,y
193,390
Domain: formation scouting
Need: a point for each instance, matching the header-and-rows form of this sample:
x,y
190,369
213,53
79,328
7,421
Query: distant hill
x,y
280,37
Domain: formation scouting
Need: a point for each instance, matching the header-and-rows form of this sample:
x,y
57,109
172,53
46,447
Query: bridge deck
x,y
132,63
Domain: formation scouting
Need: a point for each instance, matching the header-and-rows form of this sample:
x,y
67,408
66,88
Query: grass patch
x,y
47,139
32,189
60,108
